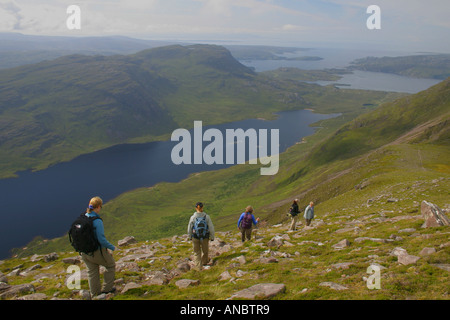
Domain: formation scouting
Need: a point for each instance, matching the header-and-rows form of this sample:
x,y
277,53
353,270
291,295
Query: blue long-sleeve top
x,y
100,231
242,217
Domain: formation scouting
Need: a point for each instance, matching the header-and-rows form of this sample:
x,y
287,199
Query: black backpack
x,y
200,230
293,210
82,234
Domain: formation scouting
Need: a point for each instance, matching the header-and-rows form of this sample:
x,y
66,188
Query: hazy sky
x,y
405,24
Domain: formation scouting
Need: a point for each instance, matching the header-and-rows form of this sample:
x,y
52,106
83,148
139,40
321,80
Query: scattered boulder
x,y
403,256
264,260
184,283
225,276
361,239
260,291
433,215
126,241
333,286
34,296
17,289
341,244
342,265
407,259
158,278
51,257
130,286
276,241
427,251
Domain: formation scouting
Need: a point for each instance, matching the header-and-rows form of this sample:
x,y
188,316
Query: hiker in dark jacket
x,y
293,212
246,222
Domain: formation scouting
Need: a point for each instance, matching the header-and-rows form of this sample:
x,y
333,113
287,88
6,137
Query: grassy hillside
x,y
376,218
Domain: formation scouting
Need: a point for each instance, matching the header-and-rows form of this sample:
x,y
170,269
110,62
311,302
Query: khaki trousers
x,y
293,222
93,263
201,248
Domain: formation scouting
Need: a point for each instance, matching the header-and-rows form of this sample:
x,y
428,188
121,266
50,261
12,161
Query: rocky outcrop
x,y
433,215
126,241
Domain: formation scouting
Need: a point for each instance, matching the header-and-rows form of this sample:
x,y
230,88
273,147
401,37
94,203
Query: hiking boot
x,y
113,290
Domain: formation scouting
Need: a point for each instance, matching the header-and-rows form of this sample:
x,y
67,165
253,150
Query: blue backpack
x,y
200,230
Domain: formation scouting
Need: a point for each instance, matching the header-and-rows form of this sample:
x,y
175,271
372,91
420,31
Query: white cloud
x,y
298,20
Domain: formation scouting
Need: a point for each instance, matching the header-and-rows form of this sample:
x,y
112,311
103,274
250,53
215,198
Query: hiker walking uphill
x,y
246,222
200,230
88,238
293,212
309,213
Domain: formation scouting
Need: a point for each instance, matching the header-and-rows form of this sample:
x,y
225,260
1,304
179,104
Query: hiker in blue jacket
x,y
246,222
100,257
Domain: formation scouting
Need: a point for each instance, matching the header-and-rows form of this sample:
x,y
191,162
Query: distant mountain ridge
x,y
433,66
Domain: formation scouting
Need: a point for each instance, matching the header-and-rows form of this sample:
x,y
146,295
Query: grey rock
x,y
427,251
276,241
130,286
126,241
407,259
361,239
17,289
184,283
225,276
433,215
333,286
51,257
341,244
34,296
260,291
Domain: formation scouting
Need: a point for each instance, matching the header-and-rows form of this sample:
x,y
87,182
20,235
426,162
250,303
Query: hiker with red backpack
x,y
246,222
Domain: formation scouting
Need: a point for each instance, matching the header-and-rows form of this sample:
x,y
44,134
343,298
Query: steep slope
x,y
388,123
368,213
